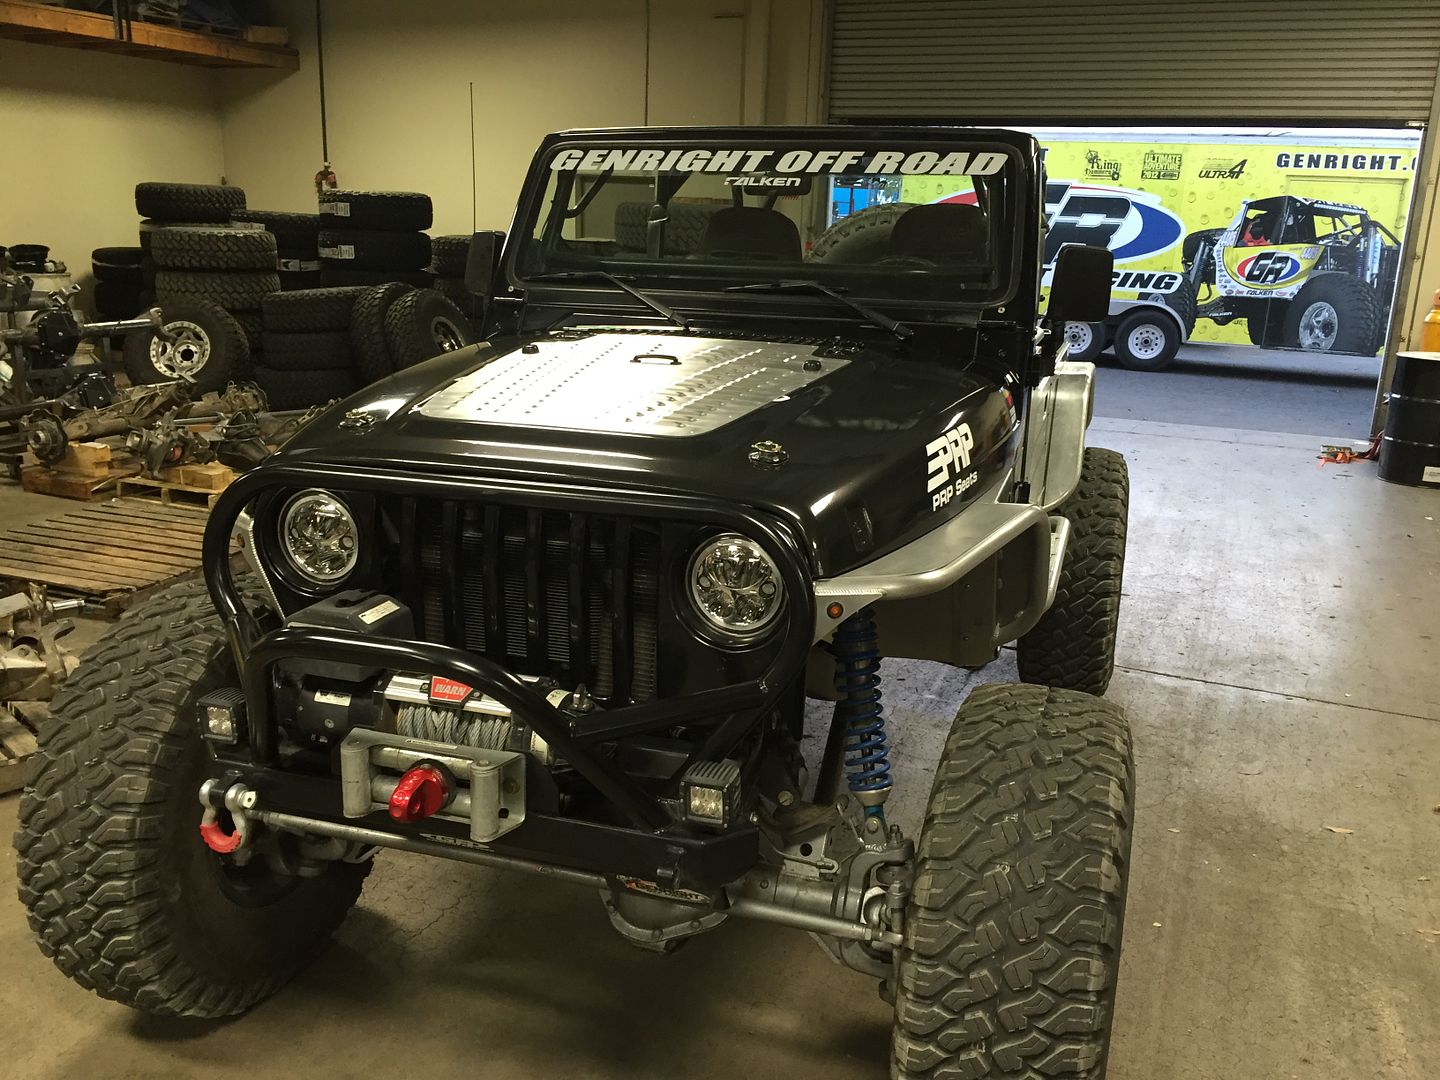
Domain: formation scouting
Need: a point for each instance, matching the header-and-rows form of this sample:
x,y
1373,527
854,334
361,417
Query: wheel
x,y
205,346
237,291
302,389
213,249
116,883
861,238
367,330
1334,313
197,203
1266,324
359,250
398,211
1084,340
448,255
1013,931
1073,644
1147,340
326,349
423,324
312,310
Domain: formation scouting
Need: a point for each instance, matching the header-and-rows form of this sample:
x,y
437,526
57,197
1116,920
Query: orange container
x,y
1430,330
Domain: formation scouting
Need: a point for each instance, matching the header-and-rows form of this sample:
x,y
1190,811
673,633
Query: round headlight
x,y
318,534
735,586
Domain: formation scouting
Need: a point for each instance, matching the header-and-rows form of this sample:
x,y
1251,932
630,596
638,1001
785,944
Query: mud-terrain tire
x,y
860,238
117,885
448,255
1147,339
1335,313
199,203
1084,340
207,344
301,389
374,250
423,324
398,211
1073,644
1012,937
221,248
242,290
325,350
295,234
367,330
311,311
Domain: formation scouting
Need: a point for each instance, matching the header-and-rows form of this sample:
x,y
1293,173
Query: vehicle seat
x,y
751,233
682,233
941,233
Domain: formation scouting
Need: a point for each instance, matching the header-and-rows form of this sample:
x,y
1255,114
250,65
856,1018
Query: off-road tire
x,y
311,311
374,250
860,238
1266,327
116,883
242,290
253,327
1089,337
454,290
327,349
1359,317
213,249
367,330
1183,302
393,210
149,228
295,234
212,348
304,388
423,324
120,265
188,202
1073,644
448,256
1012,936
1147,339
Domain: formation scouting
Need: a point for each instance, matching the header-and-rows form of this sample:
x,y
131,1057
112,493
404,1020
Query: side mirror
x,y
1080,284
483,262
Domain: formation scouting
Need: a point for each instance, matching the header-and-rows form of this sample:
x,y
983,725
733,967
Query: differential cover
x,y
630,384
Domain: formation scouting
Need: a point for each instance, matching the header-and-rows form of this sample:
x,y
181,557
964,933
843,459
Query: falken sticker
x,y
449,692
733,160
948,465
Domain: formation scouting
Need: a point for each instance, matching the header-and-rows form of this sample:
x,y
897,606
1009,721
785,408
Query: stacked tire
x,y
394,327
308,358
234,269
374,237
448,256
166,206
297,244
119,282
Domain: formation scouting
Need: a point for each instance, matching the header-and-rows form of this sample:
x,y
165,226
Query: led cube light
x,y
222,715
711,792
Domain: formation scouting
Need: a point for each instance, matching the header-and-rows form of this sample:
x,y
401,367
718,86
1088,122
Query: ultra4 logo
x,y
948,464
1268,268
1132,224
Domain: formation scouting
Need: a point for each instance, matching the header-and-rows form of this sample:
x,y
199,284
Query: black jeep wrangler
x,y
555,602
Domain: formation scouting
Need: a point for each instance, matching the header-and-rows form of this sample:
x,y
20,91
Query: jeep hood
x,y
870,449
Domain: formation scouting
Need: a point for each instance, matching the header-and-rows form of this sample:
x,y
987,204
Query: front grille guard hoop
x,y
257,651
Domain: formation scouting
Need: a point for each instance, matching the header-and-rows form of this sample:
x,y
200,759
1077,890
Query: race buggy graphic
x,y
555,603
1302,273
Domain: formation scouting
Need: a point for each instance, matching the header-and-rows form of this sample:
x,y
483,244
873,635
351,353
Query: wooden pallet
x,y
19,725
118,550
88,471
195,484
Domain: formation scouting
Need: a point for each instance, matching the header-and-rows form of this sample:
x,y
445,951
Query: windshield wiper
x,y
658,306
869,314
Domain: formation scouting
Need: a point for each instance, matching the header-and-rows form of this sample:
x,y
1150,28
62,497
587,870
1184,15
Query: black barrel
x,y
1410,447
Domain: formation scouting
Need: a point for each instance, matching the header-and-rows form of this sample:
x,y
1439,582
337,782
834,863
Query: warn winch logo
x,y
948,465
448,692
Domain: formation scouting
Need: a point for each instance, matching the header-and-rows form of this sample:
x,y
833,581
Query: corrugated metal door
x,y
1322,61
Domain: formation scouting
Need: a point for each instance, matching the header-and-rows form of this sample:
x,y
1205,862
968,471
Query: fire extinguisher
x,y
325,178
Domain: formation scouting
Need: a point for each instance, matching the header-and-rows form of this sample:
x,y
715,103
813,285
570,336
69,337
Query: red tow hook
x,y
422,791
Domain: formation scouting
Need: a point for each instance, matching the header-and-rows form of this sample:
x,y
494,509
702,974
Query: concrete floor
x,y
1277,662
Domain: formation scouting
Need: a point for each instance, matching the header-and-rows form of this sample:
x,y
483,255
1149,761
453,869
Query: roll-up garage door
x,y
1321,61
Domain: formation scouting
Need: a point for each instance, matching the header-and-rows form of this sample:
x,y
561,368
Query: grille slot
x,y
574,597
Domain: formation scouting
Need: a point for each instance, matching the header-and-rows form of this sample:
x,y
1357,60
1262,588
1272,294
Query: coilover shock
x,y
857,680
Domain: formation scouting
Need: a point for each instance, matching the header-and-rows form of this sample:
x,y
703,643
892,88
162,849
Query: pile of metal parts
x,y
33,662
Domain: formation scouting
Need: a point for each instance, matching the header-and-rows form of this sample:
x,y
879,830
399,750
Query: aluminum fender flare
x,y
943,556
1061,409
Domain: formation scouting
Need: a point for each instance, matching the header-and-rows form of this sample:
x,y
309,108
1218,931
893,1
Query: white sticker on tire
x,y
1431,475
339,209
344,251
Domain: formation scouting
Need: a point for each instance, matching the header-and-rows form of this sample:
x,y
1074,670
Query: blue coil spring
x,y
857,678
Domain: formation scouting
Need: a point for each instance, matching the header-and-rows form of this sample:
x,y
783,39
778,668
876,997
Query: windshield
x,y
919,222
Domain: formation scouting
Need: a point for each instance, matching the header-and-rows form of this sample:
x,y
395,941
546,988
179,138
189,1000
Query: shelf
x,y
46,25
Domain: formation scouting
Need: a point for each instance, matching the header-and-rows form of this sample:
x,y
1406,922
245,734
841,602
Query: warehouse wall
x,y
81,129
398,77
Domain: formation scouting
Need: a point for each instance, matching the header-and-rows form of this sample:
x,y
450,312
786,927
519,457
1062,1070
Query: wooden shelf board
x,y
45,25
